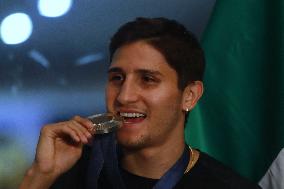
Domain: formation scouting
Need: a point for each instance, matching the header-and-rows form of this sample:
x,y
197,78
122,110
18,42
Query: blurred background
x,y
53,63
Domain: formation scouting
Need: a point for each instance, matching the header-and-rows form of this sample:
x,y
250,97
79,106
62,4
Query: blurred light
x,y
54,8
16,28
39,58
90,58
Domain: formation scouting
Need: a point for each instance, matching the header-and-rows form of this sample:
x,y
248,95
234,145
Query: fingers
x,y
78,129
62,140
82,132
85,122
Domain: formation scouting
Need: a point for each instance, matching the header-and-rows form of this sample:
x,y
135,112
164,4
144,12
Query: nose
x,y
128,92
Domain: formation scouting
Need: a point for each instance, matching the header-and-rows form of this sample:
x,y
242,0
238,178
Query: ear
x,y
191,95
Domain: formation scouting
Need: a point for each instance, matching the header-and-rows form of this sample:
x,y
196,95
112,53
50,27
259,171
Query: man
x,y
154,80
273,178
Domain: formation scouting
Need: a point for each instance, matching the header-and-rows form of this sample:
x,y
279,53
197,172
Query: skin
x,y
141,81
59,147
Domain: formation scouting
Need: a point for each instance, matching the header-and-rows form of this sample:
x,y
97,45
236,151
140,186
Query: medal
x,y
105,123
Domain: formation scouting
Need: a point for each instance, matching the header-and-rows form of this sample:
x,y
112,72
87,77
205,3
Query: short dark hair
x,y
179,46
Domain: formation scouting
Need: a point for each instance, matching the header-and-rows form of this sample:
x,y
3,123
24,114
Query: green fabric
x,y
240,118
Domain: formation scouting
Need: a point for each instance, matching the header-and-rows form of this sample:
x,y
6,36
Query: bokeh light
x,y
54,8
16,28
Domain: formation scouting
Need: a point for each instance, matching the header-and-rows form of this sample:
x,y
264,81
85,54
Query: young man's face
x,y
143,89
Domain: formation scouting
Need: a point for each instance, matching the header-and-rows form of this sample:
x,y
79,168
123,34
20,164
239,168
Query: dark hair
x,y
179,46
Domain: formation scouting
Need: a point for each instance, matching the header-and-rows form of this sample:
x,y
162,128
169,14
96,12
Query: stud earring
x,y
187,109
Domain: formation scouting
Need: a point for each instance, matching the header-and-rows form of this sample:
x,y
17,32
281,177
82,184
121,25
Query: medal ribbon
x,y
174,174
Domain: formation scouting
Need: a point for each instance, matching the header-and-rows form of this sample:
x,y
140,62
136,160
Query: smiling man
x,y
154,80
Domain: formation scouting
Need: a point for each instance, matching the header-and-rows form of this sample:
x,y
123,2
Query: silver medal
x,y
105,123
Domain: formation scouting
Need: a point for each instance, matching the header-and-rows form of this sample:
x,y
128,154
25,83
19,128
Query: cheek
x,y
165,99
109,97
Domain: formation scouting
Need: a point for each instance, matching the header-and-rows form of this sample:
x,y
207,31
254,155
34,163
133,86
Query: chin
x,y
131,142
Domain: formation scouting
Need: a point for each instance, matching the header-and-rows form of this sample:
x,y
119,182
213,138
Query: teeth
x,y
125,114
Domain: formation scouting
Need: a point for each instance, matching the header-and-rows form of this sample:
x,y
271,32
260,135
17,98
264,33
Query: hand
x,y
59,148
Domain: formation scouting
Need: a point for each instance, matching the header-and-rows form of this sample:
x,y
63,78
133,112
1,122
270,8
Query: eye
x,y
115,77
149,79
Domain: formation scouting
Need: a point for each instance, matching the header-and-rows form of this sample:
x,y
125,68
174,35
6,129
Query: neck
x,y
153,162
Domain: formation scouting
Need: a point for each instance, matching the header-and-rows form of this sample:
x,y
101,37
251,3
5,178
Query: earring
x,y
187,109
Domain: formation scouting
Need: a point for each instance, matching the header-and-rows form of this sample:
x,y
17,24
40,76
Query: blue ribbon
x,y
174,174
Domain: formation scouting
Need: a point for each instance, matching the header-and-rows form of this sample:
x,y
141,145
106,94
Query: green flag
x,y
240,118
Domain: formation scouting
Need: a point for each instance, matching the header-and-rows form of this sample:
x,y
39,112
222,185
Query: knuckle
x,y
76,117
45,129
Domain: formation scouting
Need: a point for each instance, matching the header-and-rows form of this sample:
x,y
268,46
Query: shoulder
x,y
210,173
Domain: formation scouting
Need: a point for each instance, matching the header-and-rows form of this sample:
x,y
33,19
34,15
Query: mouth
x,y
132,117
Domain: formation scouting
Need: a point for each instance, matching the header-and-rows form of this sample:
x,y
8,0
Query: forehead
x,y
141,55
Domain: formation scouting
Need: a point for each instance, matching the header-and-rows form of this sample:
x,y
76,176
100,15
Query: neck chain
x,y
192,160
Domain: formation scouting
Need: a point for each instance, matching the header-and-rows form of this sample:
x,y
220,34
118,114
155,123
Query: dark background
x,y
75,47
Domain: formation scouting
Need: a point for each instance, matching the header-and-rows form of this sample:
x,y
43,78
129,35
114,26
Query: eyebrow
x,y
139,71
115,70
